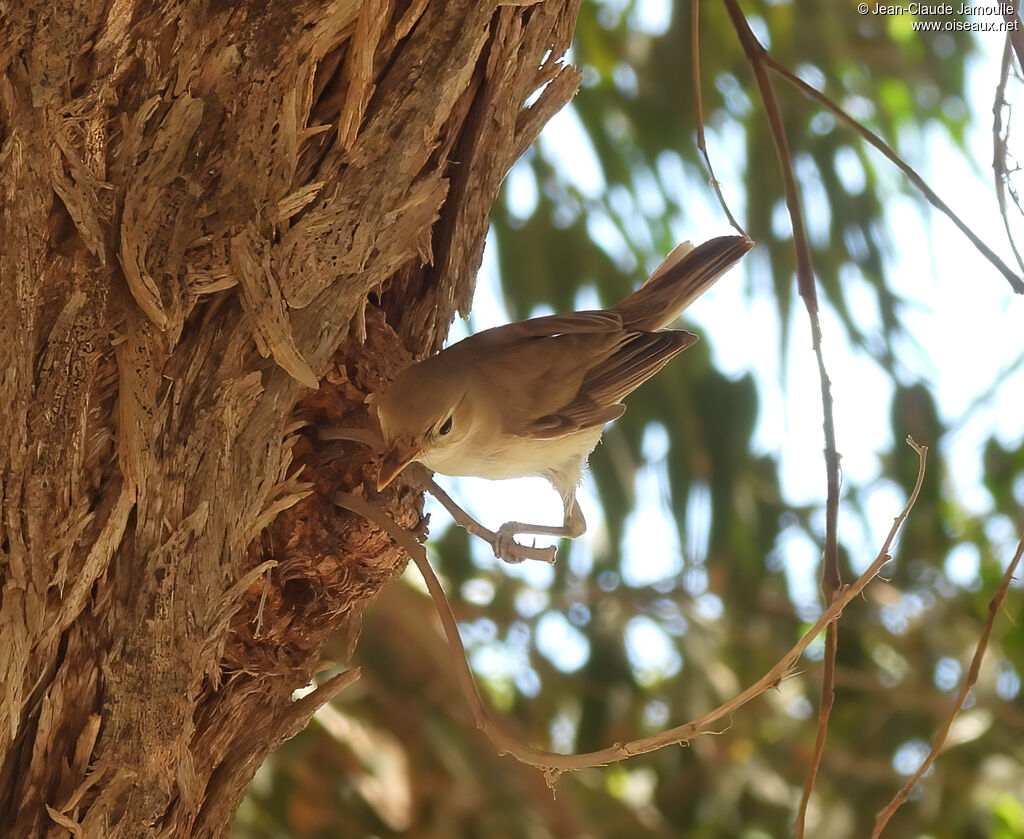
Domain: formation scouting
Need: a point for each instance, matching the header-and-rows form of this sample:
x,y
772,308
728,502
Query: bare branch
x,y
882,819
553,763
756,55
1016,283
698,100
1000,150
831,579
824,713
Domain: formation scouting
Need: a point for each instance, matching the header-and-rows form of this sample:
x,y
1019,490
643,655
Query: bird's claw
x,y
507,549
505,544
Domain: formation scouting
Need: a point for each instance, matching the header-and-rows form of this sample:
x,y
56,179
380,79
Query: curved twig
x,y
553,763
886,813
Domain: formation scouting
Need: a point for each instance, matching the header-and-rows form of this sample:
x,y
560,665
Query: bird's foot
x,y
506,548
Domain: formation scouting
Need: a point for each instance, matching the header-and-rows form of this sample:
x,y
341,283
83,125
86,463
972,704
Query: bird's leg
x,y
573,525
422,478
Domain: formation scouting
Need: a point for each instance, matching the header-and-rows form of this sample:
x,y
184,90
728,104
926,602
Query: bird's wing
x,y
579,416
548,326
638,357
634,358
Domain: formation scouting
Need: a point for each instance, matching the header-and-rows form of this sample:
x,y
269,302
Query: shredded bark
x,y
219,223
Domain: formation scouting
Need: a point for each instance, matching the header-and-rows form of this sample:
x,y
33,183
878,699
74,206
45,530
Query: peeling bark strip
x,y
250,260
195,201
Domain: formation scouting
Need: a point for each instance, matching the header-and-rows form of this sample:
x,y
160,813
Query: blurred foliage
x,y
397,755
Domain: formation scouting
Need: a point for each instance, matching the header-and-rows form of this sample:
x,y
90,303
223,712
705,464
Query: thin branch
x,y
873,139
698,100
831,579
824,713
883,816
999,148
553,763
756,55
919,702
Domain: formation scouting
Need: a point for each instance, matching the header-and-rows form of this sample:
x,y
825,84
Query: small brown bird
x,y
532,398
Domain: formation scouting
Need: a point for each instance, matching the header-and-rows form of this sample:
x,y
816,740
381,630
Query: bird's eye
x,y
446,426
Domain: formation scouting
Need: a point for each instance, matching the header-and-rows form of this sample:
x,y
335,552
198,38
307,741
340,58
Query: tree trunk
x,y
208,210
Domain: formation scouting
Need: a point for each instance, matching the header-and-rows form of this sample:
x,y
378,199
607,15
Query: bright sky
x,y
965,323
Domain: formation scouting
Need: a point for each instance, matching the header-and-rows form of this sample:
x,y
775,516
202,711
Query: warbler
x,y
532,398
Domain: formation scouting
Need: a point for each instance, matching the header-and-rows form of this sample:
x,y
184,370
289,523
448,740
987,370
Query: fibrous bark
x,y
219,223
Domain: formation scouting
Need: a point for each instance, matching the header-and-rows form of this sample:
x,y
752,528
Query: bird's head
x,y
423,413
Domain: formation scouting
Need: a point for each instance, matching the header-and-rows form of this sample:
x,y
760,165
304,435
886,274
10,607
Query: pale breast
x,y
502,456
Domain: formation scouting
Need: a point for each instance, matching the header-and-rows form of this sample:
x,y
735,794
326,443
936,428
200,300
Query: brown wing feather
x,y
582,416
572,323
637,357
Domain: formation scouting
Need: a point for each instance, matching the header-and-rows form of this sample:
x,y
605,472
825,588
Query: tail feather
x,y
684,276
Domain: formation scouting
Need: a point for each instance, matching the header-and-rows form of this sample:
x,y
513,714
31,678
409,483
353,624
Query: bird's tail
x,y
684,276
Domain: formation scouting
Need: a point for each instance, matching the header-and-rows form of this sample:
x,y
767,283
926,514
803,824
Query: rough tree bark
x,y
219,221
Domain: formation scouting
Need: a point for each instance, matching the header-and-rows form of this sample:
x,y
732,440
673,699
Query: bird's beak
x,y
395,461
